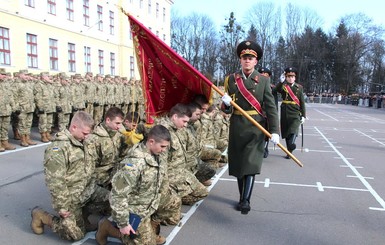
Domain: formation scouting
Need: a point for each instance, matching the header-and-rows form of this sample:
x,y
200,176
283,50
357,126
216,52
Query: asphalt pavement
x,y
337,197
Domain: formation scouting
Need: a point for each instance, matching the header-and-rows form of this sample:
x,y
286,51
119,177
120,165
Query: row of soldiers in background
x,y
199,133
54,98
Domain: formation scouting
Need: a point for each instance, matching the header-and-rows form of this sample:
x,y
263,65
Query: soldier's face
x,y
204,108
114,123
248,62
290,79
195,115
80,132
180,122
157,147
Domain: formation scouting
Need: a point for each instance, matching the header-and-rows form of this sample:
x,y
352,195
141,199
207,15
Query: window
x,y
87,59
53,56
5,50
164,14
86,12
71,58
112,64
70,10
132,70
140,4
101,62
51,7
100,18
157,10
149,6
112,24
29,3
32,50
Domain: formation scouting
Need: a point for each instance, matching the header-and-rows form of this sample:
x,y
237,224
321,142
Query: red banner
x,y
167,78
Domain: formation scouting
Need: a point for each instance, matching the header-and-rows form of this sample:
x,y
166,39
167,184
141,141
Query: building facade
x,y
76,36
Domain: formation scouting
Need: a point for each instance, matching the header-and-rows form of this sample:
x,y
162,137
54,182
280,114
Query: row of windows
x,y
32,55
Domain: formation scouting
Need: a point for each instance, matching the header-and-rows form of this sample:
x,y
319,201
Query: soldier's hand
x,y
40,111
74,109
59,109
274,138
303,119
96,104
282,78
17,112
64,213
127,230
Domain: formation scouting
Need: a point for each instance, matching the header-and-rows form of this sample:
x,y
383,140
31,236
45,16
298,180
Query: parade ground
x,y
336,198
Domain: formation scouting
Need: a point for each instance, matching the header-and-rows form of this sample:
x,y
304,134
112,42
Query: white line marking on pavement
x,y
355,171
320,187
344,166
353,176
24,148
335,119
370,137
267,182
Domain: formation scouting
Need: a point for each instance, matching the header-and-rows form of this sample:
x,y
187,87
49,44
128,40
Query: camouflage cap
x,y
23,71
3,71
63,75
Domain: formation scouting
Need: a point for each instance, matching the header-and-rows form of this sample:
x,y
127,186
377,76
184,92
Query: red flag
x,y
167,78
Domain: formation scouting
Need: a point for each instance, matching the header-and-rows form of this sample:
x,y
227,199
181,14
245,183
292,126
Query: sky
x,y
329,10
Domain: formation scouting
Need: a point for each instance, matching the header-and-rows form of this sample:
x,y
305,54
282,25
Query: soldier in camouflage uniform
x,y
181,180
63,101
221,133
69,178
45,103
7,106
89,92
78,93
140,96
203,171
110,146
25,99
136,191
99,98
125,88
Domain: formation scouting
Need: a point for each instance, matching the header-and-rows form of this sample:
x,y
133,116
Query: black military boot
x,y
290,143
247,190
240,188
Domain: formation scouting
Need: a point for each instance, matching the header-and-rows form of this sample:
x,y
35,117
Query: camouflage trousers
x,y
145,235
25,123
5,121
89,108
98,114
211,156
45,122
63,120
188,188
169,209
222,144
204,171
73,227
14,121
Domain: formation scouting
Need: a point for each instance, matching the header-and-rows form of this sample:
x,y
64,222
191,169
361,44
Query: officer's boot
x,y
156,227
29,141
240,189
23,140
44,137
290,143
39,219
16,134
246,194
106,229
2,149
7,146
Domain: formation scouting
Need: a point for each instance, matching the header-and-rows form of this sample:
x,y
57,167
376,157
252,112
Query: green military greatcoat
x,y
246,141
291,113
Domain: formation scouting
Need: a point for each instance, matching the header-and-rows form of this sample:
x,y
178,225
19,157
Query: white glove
x,y
303,119
226,99
282,78
274,138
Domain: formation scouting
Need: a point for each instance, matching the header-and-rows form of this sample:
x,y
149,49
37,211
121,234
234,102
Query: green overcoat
x,y
246,141
291,113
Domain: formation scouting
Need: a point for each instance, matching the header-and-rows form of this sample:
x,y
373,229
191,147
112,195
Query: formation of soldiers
x,y
52,100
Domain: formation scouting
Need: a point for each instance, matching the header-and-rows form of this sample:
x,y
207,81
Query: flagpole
x,y
255,123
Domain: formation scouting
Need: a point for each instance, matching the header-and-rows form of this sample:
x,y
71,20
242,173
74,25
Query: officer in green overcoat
x,y
293,111
246,141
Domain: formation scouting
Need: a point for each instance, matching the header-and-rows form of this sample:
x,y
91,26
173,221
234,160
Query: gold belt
x,y
251,112
289,102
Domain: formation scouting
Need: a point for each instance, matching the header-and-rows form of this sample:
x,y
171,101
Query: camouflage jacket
x,y
68,172
7,102
136,186
24,95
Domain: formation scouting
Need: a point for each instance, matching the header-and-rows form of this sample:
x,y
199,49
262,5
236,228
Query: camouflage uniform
x,y
63,101
139,93
99,99
221,131
7,106
89,92
181,180
209,154
78,93
109,149
25,99
68,175
44,100
136,189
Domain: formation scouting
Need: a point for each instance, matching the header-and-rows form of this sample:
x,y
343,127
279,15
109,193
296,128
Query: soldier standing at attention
x,y
69,178
293,111
63,101
247,142
7,106
136,191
